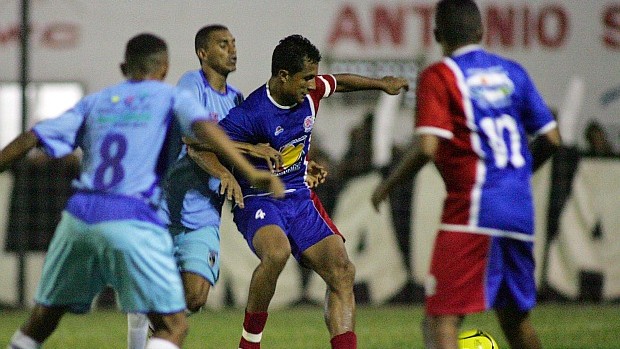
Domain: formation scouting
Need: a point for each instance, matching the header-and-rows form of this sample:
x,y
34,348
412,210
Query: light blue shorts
x,y
198,251
134,257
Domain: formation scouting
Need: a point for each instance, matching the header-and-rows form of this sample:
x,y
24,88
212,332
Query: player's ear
x,y
201,53
283,75
124,68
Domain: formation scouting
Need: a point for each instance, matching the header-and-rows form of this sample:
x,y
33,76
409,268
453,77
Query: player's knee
x,y
343,274
276,258
195,301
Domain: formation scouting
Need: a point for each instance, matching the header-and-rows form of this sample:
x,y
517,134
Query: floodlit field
x,y
565,326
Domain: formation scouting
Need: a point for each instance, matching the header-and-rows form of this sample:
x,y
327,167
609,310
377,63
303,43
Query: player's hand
x,y
231,188
270,155
266,181
393,85
315,175
378,196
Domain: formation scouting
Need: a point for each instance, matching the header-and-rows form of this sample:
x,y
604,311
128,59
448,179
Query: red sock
x,y
347,340
253,326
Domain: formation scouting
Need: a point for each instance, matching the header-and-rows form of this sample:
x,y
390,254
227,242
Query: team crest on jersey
x,y
491,87
212,258
279,130
308,123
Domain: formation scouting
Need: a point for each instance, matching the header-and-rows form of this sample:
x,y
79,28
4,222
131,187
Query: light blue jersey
x,y
121,130
192,196
110,233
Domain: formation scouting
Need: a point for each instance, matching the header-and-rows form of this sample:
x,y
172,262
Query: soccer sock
x,y
21,341
158,343
347,340
137,330
253,326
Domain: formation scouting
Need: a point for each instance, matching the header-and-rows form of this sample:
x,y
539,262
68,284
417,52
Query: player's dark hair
x,y
290,54
142,54
458,22
203,35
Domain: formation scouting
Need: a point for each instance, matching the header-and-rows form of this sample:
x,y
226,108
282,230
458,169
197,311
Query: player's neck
x,y
215,79
275,91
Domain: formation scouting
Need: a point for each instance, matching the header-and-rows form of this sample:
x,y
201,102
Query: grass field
x,y
561,326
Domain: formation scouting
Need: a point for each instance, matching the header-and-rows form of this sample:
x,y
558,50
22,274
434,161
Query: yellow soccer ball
x,y
476,339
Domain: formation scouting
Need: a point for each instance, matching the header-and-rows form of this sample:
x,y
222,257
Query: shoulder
x,y
235,92
191,75
438,71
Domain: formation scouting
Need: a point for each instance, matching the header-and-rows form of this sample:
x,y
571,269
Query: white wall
x,y
84,41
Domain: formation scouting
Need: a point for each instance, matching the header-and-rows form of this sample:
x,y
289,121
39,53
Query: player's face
x,y
221,52
298,85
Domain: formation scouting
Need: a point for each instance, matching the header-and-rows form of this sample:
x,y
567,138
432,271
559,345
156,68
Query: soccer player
x,y
110,233
475,112
282,114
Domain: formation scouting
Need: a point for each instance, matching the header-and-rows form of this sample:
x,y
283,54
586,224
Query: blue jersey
x,y
485,107
192,196
121,131
288,129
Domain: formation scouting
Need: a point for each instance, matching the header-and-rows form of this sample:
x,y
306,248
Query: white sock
x,y
21,341
137,330
158,343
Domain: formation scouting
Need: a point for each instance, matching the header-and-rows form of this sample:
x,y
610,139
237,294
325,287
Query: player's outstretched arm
x,y
17,149
262,151
209,163
353,82
208,132
412,163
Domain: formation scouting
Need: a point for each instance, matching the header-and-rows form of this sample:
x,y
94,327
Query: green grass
x,y
565,326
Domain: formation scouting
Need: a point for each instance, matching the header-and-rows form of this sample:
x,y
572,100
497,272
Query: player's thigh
x,y
140,265
329,259
266,216
270,241
198,252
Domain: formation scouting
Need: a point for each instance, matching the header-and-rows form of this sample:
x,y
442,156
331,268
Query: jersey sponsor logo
x,y
292,156
491,87
260,214
279,130
308,123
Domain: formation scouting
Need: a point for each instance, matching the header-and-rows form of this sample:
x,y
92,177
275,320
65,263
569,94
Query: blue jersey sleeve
x,y
59,136
188,110
536,114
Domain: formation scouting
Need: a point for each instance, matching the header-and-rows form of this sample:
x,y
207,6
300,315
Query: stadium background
x,y
569,47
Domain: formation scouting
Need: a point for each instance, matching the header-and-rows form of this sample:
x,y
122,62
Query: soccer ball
x,y
476,339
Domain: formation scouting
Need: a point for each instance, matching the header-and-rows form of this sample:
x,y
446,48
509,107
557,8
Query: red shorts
x,y
470,273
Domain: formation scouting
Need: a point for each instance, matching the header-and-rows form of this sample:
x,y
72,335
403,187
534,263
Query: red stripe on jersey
x,y
319,207
325,87
440,104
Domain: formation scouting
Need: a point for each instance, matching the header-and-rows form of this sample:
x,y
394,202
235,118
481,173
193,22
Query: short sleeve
x,y
433,102
59,135
187,110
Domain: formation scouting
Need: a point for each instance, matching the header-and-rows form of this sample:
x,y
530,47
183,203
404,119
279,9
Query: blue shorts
x,y
198,251
299,214
132,256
